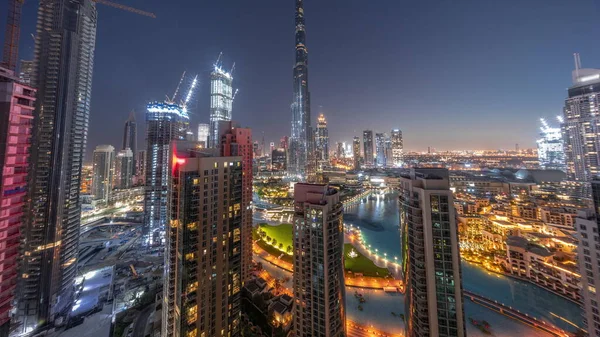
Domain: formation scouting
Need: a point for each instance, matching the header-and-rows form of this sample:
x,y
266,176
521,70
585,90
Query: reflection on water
x,y
378,218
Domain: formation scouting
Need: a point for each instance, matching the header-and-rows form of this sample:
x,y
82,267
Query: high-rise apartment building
x,y
203,259
388,152
551,154
588,254
340,152
237,142
322,140
380,149
397,147
103,171
356,152
165,122
221,102
17,102
140,170
278,160
64,58
368,148
581,124
123,172
318,262
130,138
26,72
431,259
301,135
203,132
284,142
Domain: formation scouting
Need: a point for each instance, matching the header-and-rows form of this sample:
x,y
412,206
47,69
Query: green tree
x,y
288,249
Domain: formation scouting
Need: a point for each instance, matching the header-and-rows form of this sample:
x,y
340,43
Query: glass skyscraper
x,y
368,148
551,154
221,102
130,138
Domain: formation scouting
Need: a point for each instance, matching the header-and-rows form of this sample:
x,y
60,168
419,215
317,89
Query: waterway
x,y
378,219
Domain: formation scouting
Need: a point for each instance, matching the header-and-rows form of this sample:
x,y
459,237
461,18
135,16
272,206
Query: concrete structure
x,y
203,132
26,72
104,163
431,267
397,147
356,152
165,122
319,293
17,102
64,58
221,102
203,260
368,148
301,131
123,169
237,141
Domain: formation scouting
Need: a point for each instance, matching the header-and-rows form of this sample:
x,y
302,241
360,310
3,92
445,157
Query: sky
x,y
468,74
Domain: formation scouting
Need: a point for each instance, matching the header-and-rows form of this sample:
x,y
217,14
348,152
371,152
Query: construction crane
x,y
10,54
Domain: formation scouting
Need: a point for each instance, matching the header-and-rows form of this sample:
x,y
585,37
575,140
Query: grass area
x,y
281,233
274,251
362,264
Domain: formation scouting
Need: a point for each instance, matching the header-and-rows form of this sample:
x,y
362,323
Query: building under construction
x,y
221,101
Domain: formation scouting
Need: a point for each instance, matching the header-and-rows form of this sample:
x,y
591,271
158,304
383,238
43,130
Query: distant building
x,y
221,102
318,262
368,148
130,139
17,102
432,272
284,142
123,169
380,149
388,152
26,72
203,133
203,253
279,159
104,160
322,141
356,152
551,152
141,165
397,147
340,152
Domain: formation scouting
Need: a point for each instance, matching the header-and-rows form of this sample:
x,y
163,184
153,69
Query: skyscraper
x,y
203,259
388,152
64,58
16,113
551,154
322,139
237,141
130,137
221,102
397,147
318,262
203,133
103,171
581,125
301,135
123,169
431,259
380,149
368,147
356,152
26,72
165,122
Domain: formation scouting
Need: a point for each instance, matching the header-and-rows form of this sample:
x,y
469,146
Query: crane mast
x,y
10,54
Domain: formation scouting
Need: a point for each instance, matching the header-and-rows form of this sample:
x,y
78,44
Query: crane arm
x,y
126,8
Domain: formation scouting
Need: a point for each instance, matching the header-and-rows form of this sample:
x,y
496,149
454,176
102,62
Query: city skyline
x,y
416,65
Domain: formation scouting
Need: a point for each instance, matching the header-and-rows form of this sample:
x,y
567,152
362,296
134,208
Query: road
x,y
139,327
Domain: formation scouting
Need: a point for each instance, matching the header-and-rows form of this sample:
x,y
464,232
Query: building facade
x,y
203,259
165,122
318,262
130,138
397,147
380,149
221,102
551,153
64,58
103,171
141,167
301,132
322,141
17,102
123,169
368,148
279,160
430,255
356,152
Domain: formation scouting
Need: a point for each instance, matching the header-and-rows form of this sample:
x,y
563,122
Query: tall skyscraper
x,y
551,154
397,147
141,166
64,58
17,103
388,152
368,148
279,159
103,171
237,141
431,259
380,149
588,255
130,137
581,127
322,140
318,262
203,259
283,142
356,152
221,102
301,136
165,122
203,132
123,169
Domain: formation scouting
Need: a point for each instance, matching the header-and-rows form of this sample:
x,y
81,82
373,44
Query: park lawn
x,y
281,233
362,264
274,251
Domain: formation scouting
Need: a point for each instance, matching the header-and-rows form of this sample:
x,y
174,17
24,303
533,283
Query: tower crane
x,y
13,29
